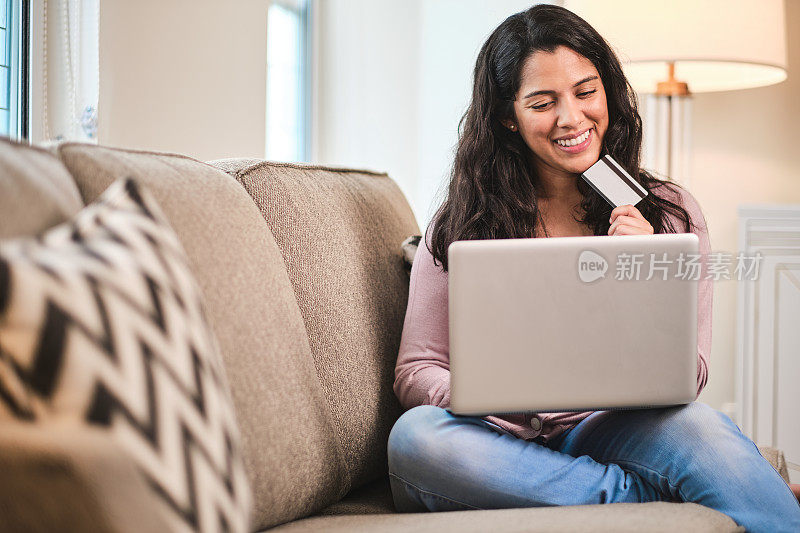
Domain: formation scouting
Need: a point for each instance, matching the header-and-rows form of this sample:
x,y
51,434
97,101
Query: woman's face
x,y
561,97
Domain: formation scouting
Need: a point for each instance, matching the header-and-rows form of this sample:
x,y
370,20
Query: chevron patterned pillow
x,y
409,247
101,322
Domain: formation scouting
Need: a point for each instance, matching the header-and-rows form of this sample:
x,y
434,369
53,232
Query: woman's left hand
x,y
627,220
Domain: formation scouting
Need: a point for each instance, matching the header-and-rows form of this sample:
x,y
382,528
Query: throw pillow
x,y
102,322
409,247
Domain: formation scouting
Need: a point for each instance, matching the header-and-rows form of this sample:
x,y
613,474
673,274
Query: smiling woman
x,y
540,85
549,99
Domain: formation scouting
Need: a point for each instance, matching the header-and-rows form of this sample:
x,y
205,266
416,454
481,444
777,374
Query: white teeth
x,y
577,140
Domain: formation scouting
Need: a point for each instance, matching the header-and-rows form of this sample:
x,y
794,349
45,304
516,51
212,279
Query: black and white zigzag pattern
x,y
409,248
101,321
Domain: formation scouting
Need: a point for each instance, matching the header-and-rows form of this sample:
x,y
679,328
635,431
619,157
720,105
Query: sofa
x,y
303,278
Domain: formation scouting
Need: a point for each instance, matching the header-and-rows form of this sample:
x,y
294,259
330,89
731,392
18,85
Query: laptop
x,y
573,323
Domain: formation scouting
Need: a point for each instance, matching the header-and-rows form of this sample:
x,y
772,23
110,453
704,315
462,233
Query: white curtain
x,y
70,69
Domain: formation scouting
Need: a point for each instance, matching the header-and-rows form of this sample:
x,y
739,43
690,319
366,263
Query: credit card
x,y
611,182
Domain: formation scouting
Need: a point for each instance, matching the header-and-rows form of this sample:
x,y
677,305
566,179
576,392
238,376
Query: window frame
x,y
17,62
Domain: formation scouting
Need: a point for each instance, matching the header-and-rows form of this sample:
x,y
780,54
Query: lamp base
x,y
672,87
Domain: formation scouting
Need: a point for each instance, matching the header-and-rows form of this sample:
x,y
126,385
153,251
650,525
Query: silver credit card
x,y
611,182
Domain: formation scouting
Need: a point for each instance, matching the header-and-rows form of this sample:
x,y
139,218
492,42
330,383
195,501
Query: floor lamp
x,y
672,49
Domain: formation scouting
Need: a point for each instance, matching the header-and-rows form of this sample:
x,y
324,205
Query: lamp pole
x,y
671,88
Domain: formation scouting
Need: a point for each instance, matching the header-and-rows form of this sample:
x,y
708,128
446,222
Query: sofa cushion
x,y
338,231
291,451
376,497
102,321
653,517
777,459
372,498
36,191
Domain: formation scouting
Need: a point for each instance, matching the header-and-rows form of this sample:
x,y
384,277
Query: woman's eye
x,y
582,95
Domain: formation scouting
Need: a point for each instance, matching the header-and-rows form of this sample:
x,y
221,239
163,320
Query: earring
x,y
513,127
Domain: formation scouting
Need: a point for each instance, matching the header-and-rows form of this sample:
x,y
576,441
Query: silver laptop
x,y
573,323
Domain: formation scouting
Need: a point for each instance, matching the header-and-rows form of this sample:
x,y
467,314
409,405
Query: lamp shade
x,y
716,45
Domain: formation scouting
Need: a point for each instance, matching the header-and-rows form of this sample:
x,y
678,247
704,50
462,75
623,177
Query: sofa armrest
x,y
59,478
776,459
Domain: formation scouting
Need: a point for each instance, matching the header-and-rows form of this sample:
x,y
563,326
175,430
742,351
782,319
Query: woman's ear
x,y
510,124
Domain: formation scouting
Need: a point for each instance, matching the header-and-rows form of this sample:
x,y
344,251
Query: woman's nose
x,y
570,113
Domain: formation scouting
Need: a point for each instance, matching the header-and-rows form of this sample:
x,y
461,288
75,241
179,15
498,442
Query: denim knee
x,y
723,469
710,437
697,419
413,432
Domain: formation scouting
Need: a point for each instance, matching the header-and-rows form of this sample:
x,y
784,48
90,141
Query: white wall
x,y
367,112
395,77
745,152
186,76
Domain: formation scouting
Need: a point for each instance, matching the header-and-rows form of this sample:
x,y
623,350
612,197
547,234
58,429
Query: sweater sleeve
x,y
422,373
705,289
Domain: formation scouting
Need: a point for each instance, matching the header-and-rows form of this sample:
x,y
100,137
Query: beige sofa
x,y
303,277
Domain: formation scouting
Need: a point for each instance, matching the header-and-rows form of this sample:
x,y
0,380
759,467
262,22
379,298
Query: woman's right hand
x,y
627,220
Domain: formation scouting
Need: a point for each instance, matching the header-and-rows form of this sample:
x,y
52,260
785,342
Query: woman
x,y
550,98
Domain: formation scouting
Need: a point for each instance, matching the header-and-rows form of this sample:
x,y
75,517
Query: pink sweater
x,y
422,374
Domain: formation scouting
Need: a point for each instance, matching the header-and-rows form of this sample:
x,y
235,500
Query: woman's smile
x,y
577,144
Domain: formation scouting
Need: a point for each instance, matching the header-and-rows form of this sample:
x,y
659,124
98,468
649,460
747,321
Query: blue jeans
x,y
689,453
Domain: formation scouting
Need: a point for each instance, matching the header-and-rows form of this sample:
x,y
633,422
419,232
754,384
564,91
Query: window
x,y
287,86
13,74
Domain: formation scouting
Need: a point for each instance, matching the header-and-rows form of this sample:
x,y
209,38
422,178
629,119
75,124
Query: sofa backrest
x,y
304,288
292,453
340,231
36,191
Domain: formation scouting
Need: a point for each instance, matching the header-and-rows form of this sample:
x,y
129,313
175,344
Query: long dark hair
x,y
491,194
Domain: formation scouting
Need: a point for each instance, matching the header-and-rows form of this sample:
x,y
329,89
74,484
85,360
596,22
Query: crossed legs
x,y
438,462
